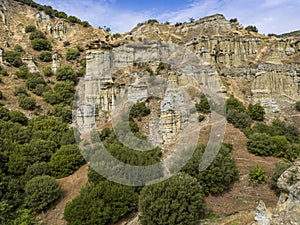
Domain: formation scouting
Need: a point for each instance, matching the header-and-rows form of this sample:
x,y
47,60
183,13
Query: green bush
x,y
66,160
203,106
40,44
47,71
4,72
297,106
72,54
74,19
23,72
18,48
20,91
64,112
30,28
234,104
239,119
257,174
36,83
101,203
13,58
139,110
219,175
65,73
37,34
260,144
201,118
27,103
41,192
63,93
66,43
37,169
45,56
256,112
18,117
276,173
178,200
251,28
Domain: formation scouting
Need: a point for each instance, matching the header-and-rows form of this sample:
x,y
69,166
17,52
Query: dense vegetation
x,y
178,200
27,148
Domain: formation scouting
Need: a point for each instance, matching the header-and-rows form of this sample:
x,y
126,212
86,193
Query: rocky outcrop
x,y
288,207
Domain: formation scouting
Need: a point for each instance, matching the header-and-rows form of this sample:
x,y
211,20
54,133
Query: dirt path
x,y
71,187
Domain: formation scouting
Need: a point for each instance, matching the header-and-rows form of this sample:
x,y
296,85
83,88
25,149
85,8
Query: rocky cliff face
x,y
288,206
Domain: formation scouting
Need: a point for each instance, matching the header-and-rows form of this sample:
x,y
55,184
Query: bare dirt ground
x,y
242,196
71,187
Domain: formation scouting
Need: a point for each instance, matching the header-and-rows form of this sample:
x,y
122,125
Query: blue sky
x,y
270,16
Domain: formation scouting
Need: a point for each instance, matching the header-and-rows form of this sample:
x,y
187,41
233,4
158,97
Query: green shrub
x,y
256,112
66,160
276,173
18,48
41,192
36,83
13,58
65,73
27,103
30,28
45,56
201,118
64,112
20,91
72,54
74,19
178,200
297,106
203,106
18,117
4,72
80,48
257,174
239,119
251,28
234,104
260,144
37,169
139,110
219,175
37,34
47,71
102,203
40,44
4,113
23,72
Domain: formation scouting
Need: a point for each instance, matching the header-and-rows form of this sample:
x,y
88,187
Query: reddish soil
x,y
242,195
71,187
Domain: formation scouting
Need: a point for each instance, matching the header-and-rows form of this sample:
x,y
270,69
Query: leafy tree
x,y
72,54
219,175
234,104
239,119
23,72
66,161
45,56
203,106
65,73
47,71
101,203
276,173
37,34
41,192
251,28
139,110
30,28
256,112
257,174
260,144
27,103
37,169
178,200
18,117
40,44
13,58
20,91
